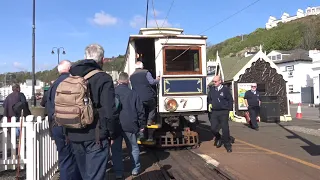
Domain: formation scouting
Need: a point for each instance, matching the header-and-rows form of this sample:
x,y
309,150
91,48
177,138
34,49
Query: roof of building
x,y
232,65
294,55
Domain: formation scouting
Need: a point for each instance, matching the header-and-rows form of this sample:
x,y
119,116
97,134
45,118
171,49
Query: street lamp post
x,y
58,52
34,52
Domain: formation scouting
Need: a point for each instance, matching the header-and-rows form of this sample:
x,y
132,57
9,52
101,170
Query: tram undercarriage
x,y
175,131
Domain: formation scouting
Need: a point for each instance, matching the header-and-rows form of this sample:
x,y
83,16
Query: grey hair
x,y
95,52
15,87
123,76
64,66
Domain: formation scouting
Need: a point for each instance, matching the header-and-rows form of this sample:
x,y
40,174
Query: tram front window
x,y
182,60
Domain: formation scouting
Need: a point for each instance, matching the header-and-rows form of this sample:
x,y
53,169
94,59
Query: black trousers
x,y
253,113
221,119
150,109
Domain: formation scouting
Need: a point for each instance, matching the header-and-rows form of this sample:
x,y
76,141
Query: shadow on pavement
x,y
148,160
312,149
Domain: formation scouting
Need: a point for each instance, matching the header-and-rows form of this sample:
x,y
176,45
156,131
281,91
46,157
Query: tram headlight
x,y
170,105
192,119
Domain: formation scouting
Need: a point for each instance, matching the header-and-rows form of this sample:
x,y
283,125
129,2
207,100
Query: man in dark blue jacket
x,y
131,117
67,162
220,103
253,102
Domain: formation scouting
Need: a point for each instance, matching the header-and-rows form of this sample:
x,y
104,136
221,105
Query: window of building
x,y
211,70
182,60
290,68
290,88
279,57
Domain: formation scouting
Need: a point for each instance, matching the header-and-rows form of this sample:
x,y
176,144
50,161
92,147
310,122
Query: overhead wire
x,y
223,20
227,18
165,19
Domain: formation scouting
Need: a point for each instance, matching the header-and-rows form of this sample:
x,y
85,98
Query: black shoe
x,y
257,129
229,149
219,143
150,122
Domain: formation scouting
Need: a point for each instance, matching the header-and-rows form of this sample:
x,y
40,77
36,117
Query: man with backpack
x,y
132,113
67,162
85,106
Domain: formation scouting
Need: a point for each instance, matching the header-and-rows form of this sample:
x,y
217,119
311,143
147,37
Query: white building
x,y
26,88
273,21
296,66
315,55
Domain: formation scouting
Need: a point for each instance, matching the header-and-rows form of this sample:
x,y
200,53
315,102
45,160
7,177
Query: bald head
x,y
64,66
139,65
217,81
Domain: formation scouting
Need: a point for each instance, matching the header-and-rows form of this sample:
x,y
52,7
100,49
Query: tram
x,y
180,61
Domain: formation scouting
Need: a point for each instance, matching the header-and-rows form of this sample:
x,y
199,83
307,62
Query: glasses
x,y
253,86
215,81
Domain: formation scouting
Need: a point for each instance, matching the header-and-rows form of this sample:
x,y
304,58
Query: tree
x,y
310,40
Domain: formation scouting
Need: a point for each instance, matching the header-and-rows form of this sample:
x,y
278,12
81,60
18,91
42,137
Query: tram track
x,y
184,164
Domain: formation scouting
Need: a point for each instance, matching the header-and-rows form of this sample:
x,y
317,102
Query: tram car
x,y
180,61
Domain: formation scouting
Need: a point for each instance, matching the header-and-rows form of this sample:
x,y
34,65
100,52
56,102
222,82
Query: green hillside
x,y
302,33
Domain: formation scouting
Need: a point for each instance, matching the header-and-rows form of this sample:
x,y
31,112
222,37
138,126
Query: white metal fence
x,y
38,154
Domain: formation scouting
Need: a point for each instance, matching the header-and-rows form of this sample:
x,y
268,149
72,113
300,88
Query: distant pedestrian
x,y
131,115
220,103
253,102
67,162
14,103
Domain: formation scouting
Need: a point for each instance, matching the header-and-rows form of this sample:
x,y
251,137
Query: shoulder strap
x,y
91,73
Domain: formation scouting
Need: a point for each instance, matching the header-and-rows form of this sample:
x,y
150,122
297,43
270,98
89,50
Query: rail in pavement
x,y
251,161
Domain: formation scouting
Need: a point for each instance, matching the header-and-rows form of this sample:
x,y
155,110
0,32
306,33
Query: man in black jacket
x,y
253,102
132,115
220,103
91,155
67,162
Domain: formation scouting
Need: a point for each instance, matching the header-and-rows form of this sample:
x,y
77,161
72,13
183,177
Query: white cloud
x,y
19,66
103,19
139,21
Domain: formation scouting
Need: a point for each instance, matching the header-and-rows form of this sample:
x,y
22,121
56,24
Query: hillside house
x,y
239,72
273,21
296,65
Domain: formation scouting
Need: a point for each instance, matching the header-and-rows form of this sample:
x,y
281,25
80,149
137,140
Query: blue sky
x,y
73,24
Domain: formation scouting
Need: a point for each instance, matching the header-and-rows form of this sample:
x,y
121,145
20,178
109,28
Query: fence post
x,y
31,147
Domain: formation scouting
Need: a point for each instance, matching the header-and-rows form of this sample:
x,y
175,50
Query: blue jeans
x,y
67,162
133,147
17,132
91,158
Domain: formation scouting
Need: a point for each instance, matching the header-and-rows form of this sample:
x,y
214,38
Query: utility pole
x,y
147,13
34,52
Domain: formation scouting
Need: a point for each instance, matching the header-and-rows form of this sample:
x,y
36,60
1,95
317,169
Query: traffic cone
x,y
299,114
